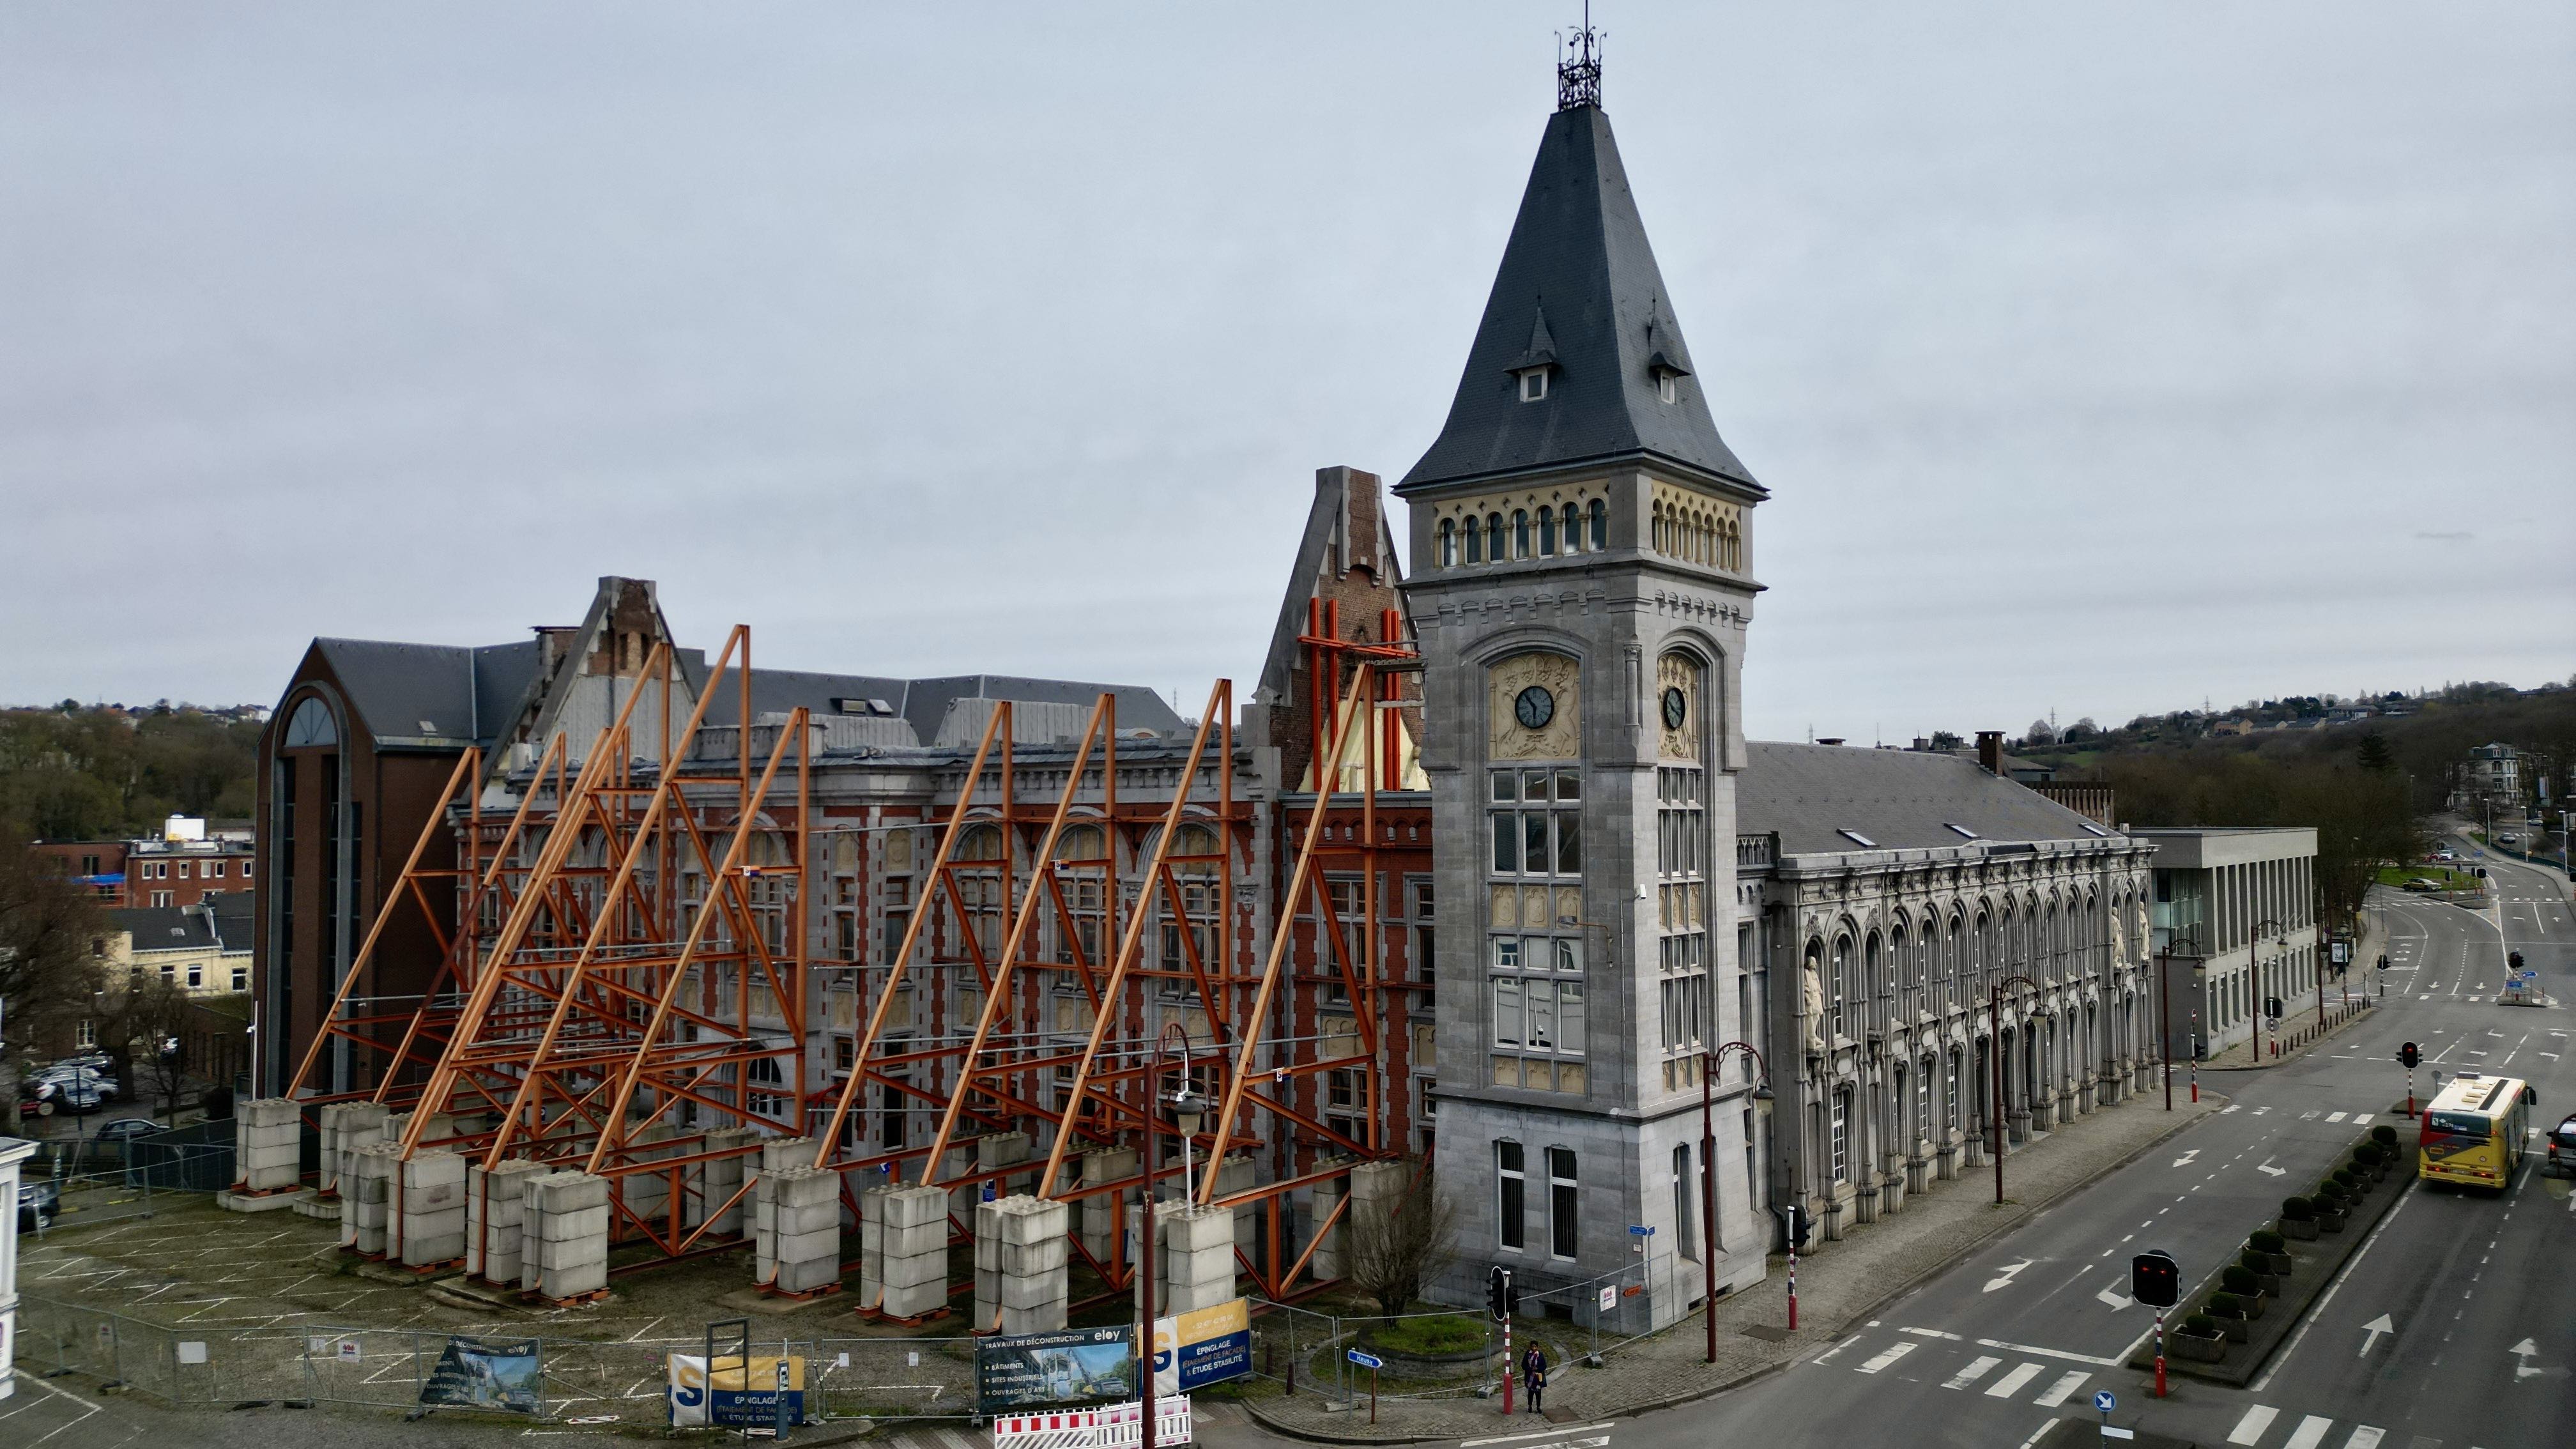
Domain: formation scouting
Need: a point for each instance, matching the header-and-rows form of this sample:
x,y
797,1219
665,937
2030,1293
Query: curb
x,y
1692,1395
2302,1053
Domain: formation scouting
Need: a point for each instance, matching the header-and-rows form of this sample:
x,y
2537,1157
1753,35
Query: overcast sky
x,y
2099,357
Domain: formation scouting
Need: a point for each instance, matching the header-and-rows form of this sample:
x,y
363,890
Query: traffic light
x,y
1799,1226
2409,1055
2272,1007
2155,1279
1502,1300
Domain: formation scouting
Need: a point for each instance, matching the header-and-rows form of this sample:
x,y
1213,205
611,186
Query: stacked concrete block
x,y
1099,1212
802,1239
722,1179
267,1144
358,1124
913,1242
647,1195
433,1208
368,1197
1329,1261
872,1213
1194,1264
959,1160
1233,1175
1021,1257
495,1218
531,1231
568,1212
1001,1149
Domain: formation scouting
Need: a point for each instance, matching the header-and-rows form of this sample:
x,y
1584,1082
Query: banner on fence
x,y
1207,1346
1114,1426
1029,1369
729,1401
485,1373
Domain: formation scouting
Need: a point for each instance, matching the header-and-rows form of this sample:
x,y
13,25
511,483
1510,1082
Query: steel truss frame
x,y
577,999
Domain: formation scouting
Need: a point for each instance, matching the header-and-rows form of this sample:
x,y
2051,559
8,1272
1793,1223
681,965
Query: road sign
x,y
1638,1230
2103,1400
1364,1360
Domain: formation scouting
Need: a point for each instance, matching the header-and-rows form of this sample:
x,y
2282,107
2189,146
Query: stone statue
x,y
1811,987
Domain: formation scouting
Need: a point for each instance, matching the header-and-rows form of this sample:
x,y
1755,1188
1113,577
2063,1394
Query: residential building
x,y
2235,924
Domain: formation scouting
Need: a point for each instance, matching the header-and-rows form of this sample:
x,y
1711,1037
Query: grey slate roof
x,y
236,917
1900,799
164,928
1578,249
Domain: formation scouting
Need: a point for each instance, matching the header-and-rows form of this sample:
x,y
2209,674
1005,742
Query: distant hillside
x,y
108,773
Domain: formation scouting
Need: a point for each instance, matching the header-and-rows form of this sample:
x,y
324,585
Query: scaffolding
x,y
631,937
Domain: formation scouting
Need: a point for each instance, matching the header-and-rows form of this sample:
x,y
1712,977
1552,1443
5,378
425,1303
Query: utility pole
x,y
1708,1064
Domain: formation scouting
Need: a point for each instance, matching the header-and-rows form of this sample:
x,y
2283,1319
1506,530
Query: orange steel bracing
x,y
636,940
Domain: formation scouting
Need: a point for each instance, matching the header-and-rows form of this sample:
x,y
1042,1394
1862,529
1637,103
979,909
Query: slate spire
x,y
1579,294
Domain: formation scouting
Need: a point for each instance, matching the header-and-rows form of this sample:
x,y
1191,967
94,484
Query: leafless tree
x,y
50,930
1392,1252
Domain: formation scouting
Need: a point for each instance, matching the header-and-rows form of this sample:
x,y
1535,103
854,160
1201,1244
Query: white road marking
x,y
2363,1119
2115,1297
1884,1359
2365,1437
1973,1372
2065,1354
2266,1166
1534,1434
2310,1433
2337,1117
2066,1384
2249,1430
2183,1160
2371,1331
2006,1274
1932,1333
2010,1384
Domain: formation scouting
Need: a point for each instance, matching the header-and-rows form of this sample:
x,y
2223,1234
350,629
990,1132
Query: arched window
x,y
1546,532
1520,533
1838,994
1600,524
1448,544
1475,541
1656,528
311,724
1909,974
1573,530
1494,538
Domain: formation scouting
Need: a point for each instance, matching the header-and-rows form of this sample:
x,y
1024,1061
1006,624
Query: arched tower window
x,y
1448,544
1600,524
1573,530
1520,533
1494,538
1546,532
1475,541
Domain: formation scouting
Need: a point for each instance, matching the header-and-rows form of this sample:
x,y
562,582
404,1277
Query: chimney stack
x,y
1990,750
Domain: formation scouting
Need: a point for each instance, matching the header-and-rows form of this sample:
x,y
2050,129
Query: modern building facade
x,y
2235,920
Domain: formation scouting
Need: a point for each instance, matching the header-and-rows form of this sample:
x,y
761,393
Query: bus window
x,y
2458,1124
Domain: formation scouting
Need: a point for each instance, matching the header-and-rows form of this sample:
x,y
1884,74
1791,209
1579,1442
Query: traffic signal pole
x,y
2160,1353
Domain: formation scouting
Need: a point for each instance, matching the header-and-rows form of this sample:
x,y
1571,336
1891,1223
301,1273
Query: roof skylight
x,y
1856,837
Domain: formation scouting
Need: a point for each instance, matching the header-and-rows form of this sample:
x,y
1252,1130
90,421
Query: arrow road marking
x,y
2266,1166
2522,1352
2371,1331
2115,1297
2006,1275
2185,1159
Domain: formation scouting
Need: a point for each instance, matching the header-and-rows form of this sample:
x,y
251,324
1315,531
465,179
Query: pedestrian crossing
x,y
2344,1118
2315,1431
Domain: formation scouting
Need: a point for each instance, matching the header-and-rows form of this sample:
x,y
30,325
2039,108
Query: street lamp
x,y
2164,1011
1995,1050
1709,1061
1186,1114
2253,963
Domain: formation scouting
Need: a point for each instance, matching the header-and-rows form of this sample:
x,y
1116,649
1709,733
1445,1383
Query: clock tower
x,y
1582,551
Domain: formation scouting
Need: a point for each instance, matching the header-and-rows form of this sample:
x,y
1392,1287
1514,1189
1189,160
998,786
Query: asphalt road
x,y
2027,1330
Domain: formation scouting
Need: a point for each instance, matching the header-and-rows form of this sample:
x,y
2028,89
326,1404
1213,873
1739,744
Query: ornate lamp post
x,y
1709,1061
1995,1043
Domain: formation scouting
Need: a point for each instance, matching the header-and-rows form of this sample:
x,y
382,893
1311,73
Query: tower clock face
x,y
1676,709
1534,707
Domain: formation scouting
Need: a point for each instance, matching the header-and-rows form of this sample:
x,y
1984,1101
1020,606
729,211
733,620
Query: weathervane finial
x,y
1578,65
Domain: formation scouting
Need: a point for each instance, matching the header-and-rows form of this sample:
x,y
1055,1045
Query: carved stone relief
x,y
1558,732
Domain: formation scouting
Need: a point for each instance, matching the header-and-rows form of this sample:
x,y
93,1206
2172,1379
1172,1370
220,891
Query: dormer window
x,y
1668,386
1534,385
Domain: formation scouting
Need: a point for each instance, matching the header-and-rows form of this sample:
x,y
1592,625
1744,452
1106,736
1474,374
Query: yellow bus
x,y
2473,1131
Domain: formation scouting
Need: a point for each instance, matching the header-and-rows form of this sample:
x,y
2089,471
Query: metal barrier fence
x,y
384,1368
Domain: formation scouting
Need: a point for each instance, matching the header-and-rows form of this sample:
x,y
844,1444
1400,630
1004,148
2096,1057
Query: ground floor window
x,y
1686,1242
1561,1221
1510,1206
1840,1132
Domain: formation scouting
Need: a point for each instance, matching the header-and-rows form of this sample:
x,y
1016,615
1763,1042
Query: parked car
x,y
2508,838
77,1089
2562,1149
39,1202
2445,855
126,1129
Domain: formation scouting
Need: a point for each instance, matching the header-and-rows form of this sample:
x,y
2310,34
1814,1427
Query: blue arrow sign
x,y
1364,1360
2103,1401
1637,1231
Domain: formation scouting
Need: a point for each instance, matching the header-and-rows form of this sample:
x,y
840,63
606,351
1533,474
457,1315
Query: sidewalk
x,y
2299,1035
1841,1286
